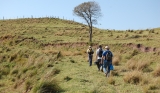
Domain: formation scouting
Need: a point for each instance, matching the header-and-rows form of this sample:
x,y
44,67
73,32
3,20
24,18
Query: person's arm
x,y
102,59
87,51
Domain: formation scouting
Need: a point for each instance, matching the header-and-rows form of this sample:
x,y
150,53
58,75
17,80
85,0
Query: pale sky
x,y
117,14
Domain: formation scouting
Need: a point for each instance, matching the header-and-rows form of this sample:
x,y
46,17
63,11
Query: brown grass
x,y
138,65
116,60
111,80
142,65
133,77
156,72
131,64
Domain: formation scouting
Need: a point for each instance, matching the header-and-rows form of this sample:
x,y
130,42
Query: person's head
x,y
90,47
107,47
100,46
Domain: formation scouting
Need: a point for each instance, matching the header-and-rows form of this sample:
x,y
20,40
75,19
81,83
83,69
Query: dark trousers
x,y
90,59
98,63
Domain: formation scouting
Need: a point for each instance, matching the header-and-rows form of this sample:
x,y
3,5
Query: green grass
x,y
44,54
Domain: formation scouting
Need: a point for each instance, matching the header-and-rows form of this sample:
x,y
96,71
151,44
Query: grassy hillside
x,y
46,55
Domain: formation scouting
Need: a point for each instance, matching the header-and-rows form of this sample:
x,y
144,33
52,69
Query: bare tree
x,y
90,12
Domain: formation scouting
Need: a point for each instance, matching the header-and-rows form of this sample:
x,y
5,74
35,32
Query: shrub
x,y
47,87
134,77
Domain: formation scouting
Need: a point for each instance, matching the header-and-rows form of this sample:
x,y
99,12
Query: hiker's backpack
x,y
108,56
100,52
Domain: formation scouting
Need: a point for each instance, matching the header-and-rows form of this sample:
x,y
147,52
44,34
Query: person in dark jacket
x,y
90,55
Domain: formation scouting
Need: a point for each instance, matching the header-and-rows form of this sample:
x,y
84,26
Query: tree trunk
x,y
90,35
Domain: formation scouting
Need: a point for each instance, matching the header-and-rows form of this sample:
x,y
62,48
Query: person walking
x,y
90,55
99,53
107,60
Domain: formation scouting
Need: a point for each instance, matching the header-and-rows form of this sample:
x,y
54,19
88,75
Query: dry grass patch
x,y
151,88
111,80
116,60
133,77
156,72
52,72
131,64
147,79
143,66
138,65
50,51
67,53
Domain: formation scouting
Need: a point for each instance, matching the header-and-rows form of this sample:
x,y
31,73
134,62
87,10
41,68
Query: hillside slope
x,y
45,55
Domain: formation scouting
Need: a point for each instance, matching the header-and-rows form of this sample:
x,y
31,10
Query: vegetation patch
x,y
47,87
134,77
